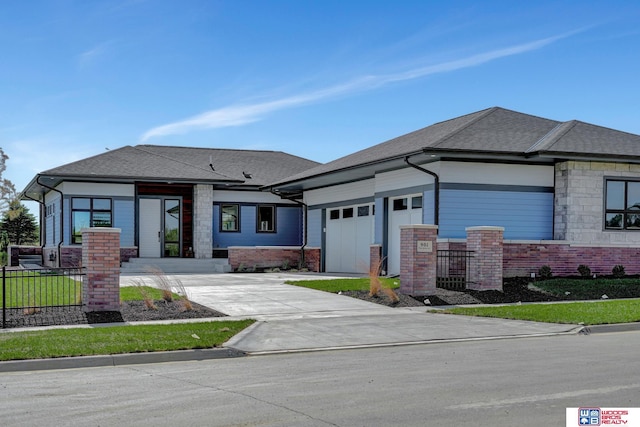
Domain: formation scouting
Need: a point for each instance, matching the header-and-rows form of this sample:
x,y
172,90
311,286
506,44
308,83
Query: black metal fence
x,y
42,297
452,271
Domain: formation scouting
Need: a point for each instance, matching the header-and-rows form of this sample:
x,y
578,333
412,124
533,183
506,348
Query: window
x,y
266,219
229,218
400,204
347,213
363,210
416,202
88,212
622,205
334,214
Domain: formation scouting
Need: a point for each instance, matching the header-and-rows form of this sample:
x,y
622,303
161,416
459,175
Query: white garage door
x,y
348,237
402,211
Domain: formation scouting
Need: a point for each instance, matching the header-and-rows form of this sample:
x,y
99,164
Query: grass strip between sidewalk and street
x,y
338,285
588,312
21,345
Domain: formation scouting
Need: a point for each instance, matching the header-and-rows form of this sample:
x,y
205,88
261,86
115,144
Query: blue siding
x,y
67,221
288,229
427,207
314,227
524,215
123,218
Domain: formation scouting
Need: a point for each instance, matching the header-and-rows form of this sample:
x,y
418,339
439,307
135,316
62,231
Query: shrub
x,y
545,272
584,270
618,271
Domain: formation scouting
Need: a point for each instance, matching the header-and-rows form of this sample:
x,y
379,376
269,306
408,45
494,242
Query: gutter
x,y
436,189
61,217
305,217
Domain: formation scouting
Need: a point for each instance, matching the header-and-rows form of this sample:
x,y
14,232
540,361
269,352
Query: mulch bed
x,y
130,311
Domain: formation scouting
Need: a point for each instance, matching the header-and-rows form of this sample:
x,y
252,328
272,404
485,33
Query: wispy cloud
x,y
89,56
237,115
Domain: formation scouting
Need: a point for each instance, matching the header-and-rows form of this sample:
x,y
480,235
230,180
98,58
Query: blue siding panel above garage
x,y
524,215
288,228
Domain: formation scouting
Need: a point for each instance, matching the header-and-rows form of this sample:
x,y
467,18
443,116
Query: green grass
x,y
35,289
337,285
589,313
134,293
592,288
116,339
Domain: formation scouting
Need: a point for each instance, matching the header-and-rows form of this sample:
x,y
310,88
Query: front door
x,y
159,226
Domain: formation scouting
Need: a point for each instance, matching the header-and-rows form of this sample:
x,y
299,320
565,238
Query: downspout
x,y
43,224
304,225
61,216
436,189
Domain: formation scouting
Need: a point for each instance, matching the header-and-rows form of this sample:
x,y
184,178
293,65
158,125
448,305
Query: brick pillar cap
x,y
375,245
420,226
484,228
101,230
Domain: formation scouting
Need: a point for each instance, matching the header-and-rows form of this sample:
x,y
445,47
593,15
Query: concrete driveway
x,y
293,318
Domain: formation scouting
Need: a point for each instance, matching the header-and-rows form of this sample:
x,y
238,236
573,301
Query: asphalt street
x,y
523,382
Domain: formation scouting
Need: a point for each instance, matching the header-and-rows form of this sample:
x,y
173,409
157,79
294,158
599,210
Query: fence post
x,y
101,259
4,296
418,259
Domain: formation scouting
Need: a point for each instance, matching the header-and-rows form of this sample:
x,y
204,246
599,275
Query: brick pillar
x,y
486,263
418,259
375,257
101,260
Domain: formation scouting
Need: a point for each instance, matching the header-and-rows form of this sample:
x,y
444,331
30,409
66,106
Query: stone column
x,y
418,259
101,260
203,221
486,261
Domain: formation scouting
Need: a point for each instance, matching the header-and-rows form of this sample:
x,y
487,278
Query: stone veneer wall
x,y
579,202
273,256
203,221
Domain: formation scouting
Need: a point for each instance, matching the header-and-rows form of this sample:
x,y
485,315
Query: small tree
x,y
7,189
19,224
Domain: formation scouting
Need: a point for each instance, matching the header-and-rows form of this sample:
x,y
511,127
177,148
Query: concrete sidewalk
x,y
293,318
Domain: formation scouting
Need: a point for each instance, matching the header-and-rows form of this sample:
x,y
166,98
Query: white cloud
x,y
242,114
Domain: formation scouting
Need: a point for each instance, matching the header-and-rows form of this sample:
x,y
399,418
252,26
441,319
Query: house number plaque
x,y
424,246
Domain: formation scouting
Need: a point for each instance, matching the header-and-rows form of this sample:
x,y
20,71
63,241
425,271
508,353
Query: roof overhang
x,y
43,183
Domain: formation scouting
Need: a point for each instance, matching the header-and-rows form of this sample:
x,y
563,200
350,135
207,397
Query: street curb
x,y
614,327
119,359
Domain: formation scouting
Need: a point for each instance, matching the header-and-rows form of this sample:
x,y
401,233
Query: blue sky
x,y
318,79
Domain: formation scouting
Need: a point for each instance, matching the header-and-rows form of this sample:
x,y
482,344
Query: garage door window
x,y
347,213
363,210
334,214
400,204
416,202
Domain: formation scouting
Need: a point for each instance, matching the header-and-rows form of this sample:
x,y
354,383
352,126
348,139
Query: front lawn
x,y
589,313
116,339
344,285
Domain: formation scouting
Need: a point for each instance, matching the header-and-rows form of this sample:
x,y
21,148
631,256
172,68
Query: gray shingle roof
x,y
153,162
492,133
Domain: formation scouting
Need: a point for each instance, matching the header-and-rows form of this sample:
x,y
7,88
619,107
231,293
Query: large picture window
x,y
266,219
622,205
230,218
89,212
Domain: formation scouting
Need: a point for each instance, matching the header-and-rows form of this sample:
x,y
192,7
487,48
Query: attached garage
x,y
349,234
